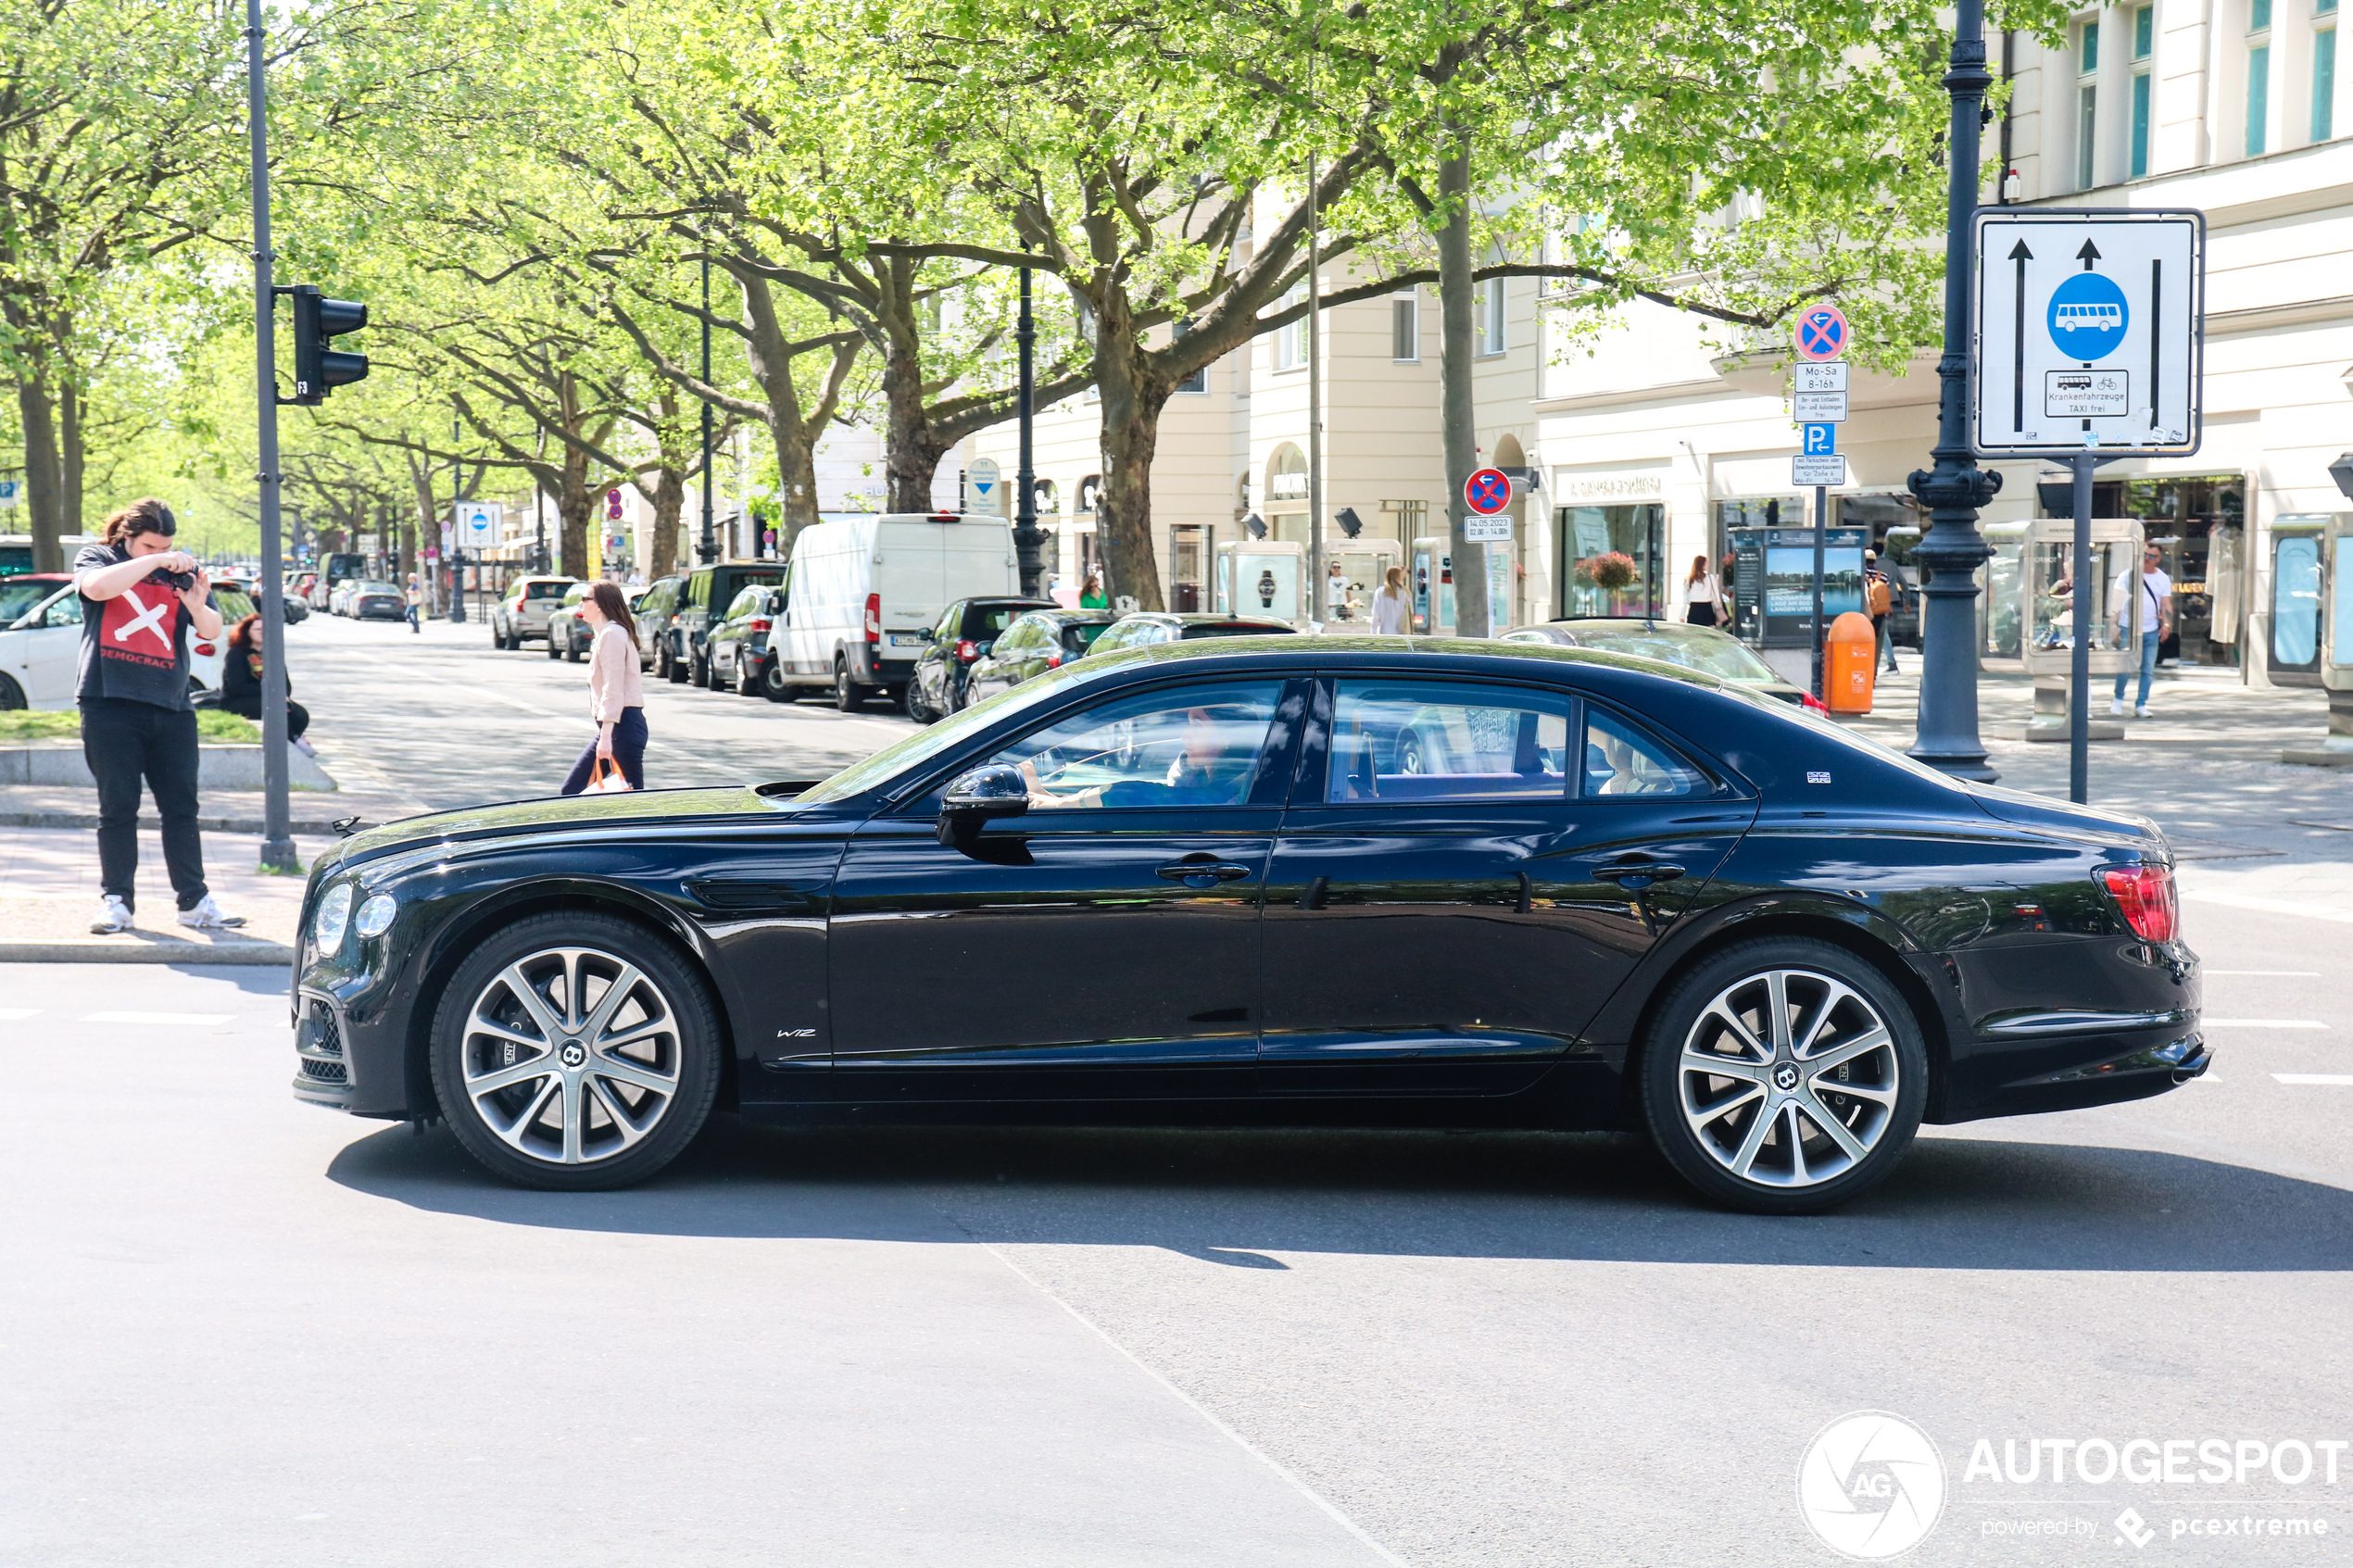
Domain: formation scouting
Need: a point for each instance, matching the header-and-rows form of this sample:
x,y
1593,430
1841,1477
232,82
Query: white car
x,y
863,593
41,652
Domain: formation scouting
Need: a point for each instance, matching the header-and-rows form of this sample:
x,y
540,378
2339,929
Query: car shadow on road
x,y
1244,1198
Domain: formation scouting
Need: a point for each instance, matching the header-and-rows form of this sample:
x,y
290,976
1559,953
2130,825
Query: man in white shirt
x,y
2155,601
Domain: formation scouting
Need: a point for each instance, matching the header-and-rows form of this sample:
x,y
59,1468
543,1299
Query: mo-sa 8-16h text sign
x,y
2088,332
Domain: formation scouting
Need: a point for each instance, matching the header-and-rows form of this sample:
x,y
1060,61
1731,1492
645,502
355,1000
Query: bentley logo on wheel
x,y
1871,1485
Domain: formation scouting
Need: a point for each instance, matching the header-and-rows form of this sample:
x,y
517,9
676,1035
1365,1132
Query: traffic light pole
x,y
1028,543
277,837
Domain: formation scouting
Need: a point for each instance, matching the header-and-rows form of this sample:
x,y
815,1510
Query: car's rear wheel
x,y
746,679
849,695
572,647
575,1051
1783,1076
771,680
553,651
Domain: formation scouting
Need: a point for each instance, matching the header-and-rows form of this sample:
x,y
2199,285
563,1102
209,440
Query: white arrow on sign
x,y
2088,332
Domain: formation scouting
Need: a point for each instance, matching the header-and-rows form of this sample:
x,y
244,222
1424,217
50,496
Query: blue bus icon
x,y
2088,315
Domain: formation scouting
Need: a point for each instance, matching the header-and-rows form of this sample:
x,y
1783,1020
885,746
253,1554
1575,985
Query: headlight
x,y
334,913
375,915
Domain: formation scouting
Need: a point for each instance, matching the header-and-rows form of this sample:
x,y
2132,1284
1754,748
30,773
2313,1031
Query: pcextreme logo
x,y
1871,1485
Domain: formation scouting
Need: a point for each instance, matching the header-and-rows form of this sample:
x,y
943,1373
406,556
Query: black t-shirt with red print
x,y
135,644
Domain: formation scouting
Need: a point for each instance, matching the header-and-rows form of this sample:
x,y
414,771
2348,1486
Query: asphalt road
x,y
241,1332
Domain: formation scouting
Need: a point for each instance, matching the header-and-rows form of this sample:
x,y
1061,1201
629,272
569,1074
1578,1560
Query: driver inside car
x,y
1212,766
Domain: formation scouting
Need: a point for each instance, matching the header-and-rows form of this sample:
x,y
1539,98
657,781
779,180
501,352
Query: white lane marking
x,y
2273,974
159,1017
16,1015
2271,906
2337,1078
2262,1023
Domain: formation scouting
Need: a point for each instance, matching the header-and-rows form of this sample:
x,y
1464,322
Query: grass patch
x,y
212,724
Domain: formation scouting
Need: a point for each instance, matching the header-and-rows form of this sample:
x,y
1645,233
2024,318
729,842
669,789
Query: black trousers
x,y
297,716
124,741
628,753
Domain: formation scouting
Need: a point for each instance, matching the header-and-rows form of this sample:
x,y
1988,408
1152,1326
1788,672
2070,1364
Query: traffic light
x,y
318,321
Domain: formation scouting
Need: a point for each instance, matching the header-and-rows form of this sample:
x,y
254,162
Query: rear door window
x,y
1080,638
1414,741
1622,761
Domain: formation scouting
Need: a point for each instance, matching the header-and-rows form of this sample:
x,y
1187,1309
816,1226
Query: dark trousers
x,y
298,717
124,741
628,750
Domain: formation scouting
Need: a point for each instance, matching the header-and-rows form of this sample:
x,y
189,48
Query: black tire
x,y
747,681
1706,1137
922,712
687,1054
703,674
11,695
849,695
771,681
661,663
553,652
572,647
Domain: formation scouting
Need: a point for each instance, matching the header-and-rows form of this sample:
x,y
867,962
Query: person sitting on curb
x,y
140,598
241,684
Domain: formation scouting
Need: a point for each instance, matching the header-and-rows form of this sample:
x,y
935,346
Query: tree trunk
x,y
1131,408
71,406
670,499
572,506
795,436
44,472
911,448
1455,410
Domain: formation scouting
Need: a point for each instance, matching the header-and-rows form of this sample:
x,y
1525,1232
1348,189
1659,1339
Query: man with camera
x,y
140,598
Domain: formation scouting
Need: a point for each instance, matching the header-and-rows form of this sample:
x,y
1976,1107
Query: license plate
x,y
906,639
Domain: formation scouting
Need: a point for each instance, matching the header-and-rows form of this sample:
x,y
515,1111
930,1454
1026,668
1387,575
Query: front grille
x,y
322,1076
321,1036
324,1072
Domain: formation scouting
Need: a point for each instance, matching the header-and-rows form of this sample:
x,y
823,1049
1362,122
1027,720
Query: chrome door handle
x,y
1636,875
1203,872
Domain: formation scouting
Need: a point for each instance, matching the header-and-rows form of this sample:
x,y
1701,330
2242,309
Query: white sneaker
x,y
113,916
302,744
2117,707
206,916
2141,711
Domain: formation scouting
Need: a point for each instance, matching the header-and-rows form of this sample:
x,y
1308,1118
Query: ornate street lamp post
x,y
1955,487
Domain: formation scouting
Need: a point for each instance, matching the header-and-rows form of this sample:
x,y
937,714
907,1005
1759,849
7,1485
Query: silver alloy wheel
x,y
1787,1078
572,1055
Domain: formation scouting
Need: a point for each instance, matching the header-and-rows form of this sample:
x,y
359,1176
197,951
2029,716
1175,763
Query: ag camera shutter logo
x,y
1871,1485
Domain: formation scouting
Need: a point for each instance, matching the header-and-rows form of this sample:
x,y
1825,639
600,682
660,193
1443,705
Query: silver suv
x,y
521,615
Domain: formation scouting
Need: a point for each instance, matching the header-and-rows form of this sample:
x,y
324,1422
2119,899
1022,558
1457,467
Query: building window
x,y
2323,70
2259,73
1198,380
2087,106
1490,317
2144,44
1291,341
1406,328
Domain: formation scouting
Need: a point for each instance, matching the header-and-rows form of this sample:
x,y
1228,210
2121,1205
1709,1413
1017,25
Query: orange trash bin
x,y
1850,660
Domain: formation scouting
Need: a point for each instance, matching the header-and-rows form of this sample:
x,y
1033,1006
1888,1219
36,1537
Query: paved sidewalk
x,y
49,890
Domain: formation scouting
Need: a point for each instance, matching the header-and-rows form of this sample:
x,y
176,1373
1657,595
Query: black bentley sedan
x,y
1285,881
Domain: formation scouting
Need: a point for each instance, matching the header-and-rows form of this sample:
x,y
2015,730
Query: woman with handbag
x,y
616,759
1704,595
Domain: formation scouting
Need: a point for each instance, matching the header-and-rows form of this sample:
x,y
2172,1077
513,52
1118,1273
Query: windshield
x,y
1711,653
17,598
928,743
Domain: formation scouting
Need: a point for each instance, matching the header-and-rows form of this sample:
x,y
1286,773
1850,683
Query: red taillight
x,y
758,624
874,618
205,648
967,651
1054,661
2145,894
1808,700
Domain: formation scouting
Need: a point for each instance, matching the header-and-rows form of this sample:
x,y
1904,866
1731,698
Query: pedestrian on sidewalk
x,y
241,683
416,598
2155,601
140,598
1090,593
1703,595
1393,611
1878,600
616,696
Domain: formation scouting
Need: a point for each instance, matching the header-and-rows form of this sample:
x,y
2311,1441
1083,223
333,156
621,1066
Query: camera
x,y
181,581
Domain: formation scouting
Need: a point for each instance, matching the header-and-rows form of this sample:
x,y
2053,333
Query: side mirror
x,y
975,797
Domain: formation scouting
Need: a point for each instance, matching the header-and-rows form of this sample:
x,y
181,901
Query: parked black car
x,y
738,654
703,598
964,632
1035,641
652,613
1291,880
1708,649
1145,627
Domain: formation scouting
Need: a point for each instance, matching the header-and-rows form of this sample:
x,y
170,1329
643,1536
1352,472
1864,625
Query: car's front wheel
x,y
571,648
1783,1076
575,1051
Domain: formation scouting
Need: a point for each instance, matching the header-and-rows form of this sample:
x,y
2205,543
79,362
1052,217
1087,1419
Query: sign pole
x,y
277,834
2079,678
1821,542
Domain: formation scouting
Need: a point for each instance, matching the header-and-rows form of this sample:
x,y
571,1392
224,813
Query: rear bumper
x,y
881,666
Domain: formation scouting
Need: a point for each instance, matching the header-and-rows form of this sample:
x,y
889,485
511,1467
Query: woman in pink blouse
x,y
616,696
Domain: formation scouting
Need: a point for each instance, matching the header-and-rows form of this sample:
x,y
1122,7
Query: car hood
x,y
517,817
2022,809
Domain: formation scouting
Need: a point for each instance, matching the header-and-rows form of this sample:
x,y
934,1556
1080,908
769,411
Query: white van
x,y
863,593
